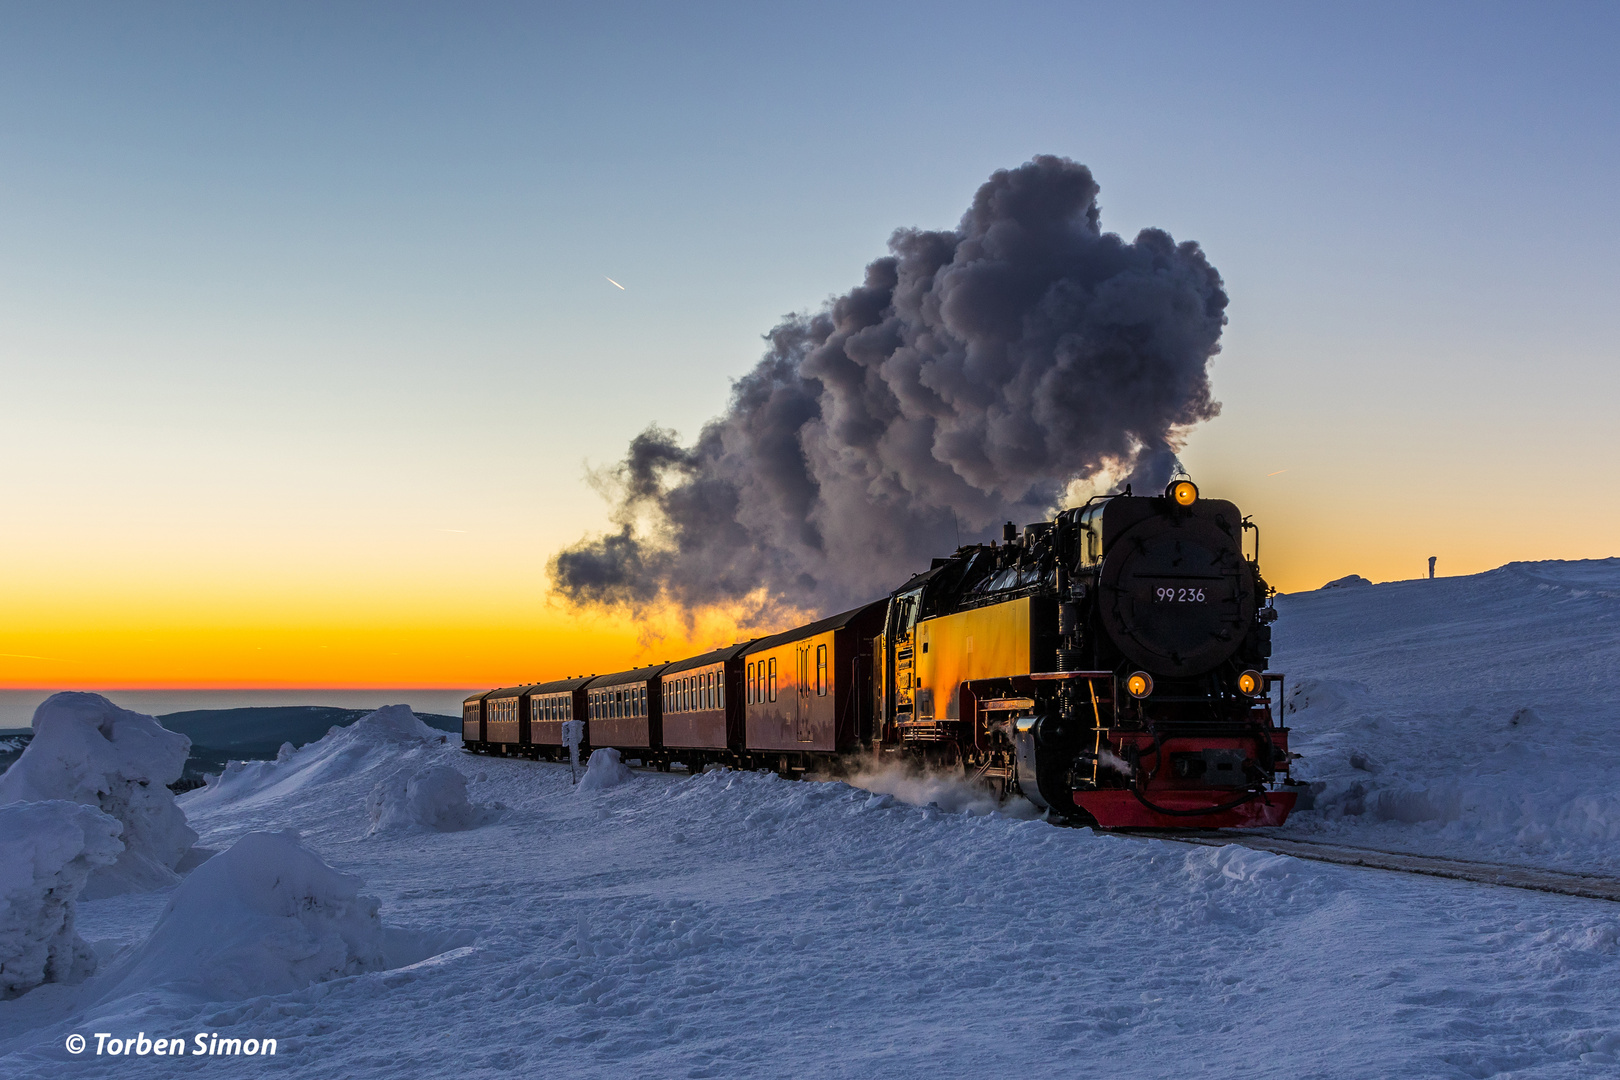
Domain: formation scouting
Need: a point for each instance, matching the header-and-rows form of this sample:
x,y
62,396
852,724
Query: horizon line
x,y
232,686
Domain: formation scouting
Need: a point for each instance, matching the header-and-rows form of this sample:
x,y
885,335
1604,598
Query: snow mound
x,y
1328,698
87,750
47,852
604,770
1348,581
434,797
375,740
1471,716
1578,577
267,916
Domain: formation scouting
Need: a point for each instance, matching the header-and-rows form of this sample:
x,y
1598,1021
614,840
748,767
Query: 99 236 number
x,y
1179,596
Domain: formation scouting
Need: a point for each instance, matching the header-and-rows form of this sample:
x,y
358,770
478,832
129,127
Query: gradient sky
x,y
306,343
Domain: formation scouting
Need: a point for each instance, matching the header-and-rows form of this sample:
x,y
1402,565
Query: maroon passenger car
x,y
623,709
703,701
803,689
551,705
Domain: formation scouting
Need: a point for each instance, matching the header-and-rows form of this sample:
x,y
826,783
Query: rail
x,y
1564,883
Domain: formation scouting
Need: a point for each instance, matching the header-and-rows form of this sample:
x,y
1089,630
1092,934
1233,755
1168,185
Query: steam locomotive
x,y
1109,665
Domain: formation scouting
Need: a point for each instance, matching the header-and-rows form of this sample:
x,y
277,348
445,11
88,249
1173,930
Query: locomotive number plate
x,y
1170,594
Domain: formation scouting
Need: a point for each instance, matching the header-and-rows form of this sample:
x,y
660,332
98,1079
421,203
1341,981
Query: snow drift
x,y
267,916
433,797
47,852
87,750
1468,716
384,738
604,770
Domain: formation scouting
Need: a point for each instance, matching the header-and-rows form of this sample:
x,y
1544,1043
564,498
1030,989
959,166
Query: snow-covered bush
x,y
434,797
88,750
47,851
604,770
267,916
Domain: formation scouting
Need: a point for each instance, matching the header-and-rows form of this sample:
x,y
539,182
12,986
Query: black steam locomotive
x,y
1110,665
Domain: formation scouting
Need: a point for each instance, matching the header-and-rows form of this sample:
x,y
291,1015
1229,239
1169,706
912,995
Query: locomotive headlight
x,y
1250,682
1184,492
1140,684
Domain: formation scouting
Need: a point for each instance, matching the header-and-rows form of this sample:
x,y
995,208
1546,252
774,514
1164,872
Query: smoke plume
x,y
970,378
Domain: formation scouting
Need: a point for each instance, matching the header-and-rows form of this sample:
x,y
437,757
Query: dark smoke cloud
x,y
966,382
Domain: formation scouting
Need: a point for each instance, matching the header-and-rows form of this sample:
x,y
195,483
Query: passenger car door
x,y
802,727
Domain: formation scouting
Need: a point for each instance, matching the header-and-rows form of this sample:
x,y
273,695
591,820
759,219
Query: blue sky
x,y
311,285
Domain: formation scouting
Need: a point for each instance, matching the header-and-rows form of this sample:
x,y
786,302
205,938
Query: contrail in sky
x,y
1279,472
614,283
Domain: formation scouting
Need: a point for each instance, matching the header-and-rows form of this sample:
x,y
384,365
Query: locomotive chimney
x,y
1009,532
1431,566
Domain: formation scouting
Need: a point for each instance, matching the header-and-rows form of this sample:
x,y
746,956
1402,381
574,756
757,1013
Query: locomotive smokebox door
x,y
1178,596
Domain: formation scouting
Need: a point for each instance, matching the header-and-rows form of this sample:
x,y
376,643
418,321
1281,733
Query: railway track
x,y
1591,886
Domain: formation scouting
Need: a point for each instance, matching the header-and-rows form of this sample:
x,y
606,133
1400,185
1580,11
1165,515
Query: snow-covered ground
x,y
1477,717
740,925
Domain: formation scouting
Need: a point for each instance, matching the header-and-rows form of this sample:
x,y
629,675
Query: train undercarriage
x,y
1058,739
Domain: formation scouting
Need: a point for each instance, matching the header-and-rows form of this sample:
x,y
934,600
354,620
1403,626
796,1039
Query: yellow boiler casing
x,y
984,643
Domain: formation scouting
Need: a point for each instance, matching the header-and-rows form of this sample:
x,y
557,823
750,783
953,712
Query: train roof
x,y
918,579
714,656
480,696
558,686
832,622
509,691
619,678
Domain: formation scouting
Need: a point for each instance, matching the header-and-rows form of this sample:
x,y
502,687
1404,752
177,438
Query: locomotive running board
x,y
1006,704
1042,676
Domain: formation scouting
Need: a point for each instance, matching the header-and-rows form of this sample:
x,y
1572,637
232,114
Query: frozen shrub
x,y
47,851
88,750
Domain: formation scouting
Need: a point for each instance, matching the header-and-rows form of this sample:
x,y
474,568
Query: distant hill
x,y
256,733
259,731
12,742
